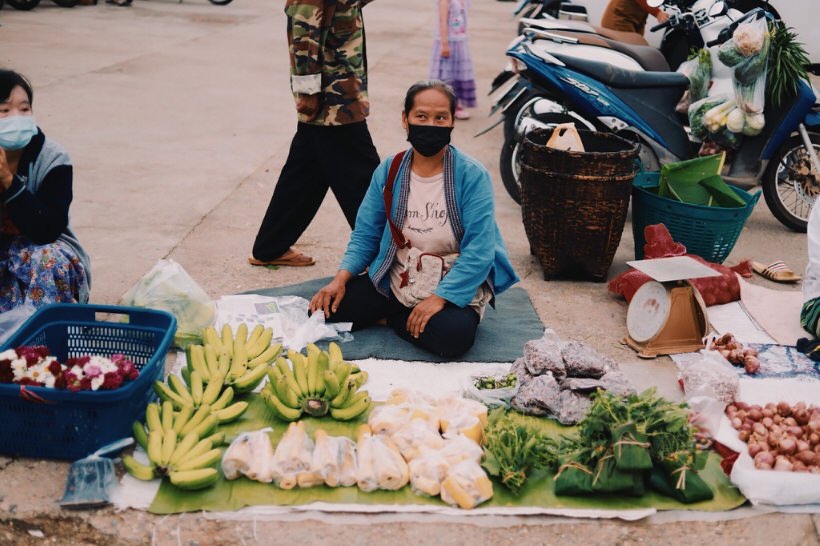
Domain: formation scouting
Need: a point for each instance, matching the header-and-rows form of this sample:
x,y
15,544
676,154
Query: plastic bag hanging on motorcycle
x,y
747,53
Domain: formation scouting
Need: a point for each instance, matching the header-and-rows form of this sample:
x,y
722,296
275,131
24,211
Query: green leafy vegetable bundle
x,y
625,443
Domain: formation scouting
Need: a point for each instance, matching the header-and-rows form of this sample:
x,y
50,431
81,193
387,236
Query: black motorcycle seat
x,y
648,57
624,79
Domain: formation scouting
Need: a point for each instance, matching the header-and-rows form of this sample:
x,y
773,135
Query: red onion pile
x,y
732,350
780,436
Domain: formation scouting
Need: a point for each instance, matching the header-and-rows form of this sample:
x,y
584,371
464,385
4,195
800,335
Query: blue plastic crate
x,y
59,424
708,232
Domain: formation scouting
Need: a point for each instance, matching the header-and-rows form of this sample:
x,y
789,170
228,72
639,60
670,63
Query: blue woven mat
x,y
500,338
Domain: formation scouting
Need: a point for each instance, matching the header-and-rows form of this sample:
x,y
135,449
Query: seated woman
x,y
41,260
442,203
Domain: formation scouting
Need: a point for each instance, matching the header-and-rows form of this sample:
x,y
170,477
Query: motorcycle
x,y
641,106
26,5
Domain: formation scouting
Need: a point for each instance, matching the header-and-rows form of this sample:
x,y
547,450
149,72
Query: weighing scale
x,y
667,315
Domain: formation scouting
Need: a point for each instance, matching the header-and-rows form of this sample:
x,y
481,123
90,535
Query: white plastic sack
x,y
168,287
10,321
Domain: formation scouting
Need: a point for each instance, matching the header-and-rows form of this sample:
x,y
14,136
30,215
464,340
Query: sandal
x,y
291,258
776,271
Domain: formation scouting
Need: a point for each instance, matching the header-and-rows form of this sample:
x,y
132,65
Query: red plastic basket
x,y
59,424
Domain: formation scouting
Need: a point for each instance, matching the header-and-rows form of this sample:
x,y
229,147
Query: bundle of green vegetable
x,y
513,450
625,443
788,64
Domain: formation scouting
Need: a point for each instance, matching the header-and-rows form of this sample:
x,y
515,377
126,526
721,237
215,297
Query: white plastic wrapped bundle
x,y
427,472
251,455
334,460
381,465
466,485
293,457
415,437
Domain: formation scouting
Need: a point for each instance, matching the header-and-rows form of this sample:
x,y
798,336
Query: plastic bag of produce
x,y
427,472
460,415
573,479
415,437
712,376
699,71
458,447
494,389
251,455
334,460
381,465
466,485
293,457
747,53
169,287
699,123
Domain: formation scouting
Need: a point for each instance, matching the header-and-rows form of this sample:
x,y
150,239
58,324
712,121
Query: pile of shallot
x,y
780,436
732,350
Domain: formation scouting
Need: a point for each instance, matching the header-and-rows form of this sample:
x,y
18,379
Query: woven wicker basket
x,y
573,221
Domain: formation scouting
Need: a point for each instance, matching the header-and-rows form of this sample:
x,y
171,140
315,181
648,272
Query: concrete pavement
x,y
178,118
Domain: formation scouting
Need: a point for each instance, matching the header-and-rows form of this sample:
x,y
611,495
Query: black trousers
x,y
339,157
449,333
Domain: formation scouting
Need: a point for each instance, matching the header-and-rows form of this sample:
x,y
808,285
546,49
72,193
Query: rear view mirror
x,y
717,9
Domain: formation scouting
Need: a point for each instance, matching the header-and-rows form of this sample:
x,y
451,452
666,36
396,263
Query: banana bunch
x,y
180,444
318,383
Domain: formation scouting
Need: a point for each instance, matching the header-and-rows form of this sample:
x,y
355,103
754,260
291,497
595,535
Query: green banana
x,y
340,398
299,370
169,443
231,413
353,399
137,469
312,372
283,367
286,394
186,375
352,411
286,413
224,399
194,479
140,435
209,459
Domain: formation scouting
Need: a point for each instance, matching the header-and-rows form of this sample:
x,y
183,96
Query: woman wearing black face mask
x,y
441,222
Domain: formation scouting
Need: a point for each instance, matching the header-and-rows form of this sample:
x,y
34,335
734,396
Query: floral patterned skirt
x,y
39,274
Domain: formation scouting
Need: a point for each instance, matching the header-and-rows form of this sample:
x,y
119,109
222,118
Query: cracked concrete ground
x,y
178,118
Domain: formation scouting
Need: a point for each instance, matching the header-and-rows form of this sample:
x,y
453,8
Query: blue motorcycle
x,y
783,158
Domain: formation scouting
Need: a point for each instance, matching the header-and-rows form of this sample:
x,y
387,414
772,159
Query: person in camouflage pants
x,y
332,147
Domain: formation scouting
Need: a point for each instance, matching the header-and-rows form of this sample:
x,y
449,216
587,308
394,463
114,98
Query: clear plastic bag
x,y
492,398
747,53
710,376
169,287
293,458
381,465
699,71
415,437
334,460
251,455
466,485
427,472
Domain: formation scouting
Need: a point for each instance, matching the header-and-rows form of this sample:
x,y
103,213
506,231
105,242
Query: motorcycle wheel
x,y
221,2
24,5
508,160
791,185
66,3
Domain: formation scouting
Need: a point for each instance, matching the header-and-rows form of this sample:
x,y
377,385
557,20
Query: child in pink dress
x,y
451,61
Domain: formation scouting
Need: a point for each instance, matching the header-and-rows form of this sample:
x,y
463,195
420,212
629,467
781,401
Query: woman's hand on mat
x,y
417,321
331,295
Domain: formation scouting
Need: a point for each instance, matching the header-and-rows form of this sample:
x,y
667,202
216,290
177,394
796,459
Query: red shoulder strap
x,y
398,237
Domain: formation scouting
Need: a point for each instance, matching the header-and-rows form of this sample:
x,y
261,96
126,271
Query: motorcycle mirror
x,y
717,9
654,3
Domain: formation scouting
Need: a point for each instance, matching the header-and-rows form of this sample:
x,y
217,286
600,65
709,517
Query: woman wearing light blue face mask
x,y
41,260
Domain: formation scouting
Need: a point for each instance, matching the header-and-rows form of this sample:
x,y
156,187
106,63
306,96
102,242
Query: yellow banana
x,y
178,385
260,345
137,469
334,352
227,340
352,411
240,338
211,338
198,362
231,413
203,446
285,394
250,380
154,447
206,426
211,361
201,414
283,367
331,383
165,393
196,387
224,399
340,398
183,447
206,460
182,418
217,438
299,370
254,335
152,417
211,392
167,416
169,443
224,365
265,357
353,399
194,479
286,413
239,363
358,378
312,372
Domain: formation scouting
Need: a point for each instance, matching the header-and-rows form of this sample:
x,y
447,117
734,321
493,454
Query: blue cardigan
x,y
469,194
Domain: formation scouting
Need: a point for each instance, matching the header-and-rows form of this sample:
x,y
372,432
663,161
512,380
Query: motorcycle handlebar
x,y
659,26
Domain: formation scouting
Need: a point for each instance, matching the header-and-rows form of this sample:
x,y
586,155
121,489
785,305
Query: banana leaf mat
x,y
538,491
500,338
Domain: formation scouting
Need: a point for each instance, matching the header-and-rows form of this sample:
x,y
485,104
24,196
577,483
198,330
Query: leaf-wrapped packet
x,y
608,478
679,470
573,479
630,448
